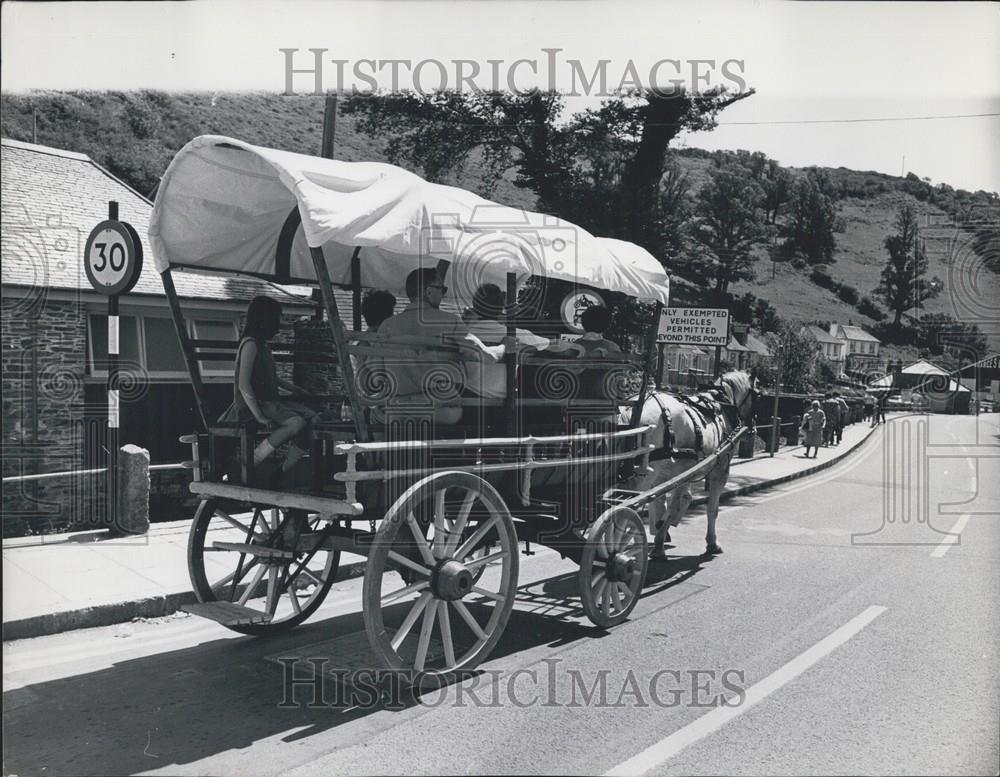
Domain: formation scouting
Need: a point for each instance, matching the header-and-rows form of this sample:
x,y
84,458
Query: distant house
x,y
744,349
54,336
833,348
861,348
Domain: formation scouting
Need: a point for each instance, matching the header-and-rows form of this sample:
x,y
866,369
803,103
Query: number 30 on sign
x,y
113,257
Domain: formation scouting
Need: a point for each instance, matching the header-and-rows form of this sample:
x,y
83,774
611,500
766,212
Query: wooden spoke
x,y
308,573
405,562
476,538
247,530
449,647
272,590
399,593
440,531
606,601
426,629
410,619
469,619
475,564
261,571
461,521
488,594
294,598
598,579
418,536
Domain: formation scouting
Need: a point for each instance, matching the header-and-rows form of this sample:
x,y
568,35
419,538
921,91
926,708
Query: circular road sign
x,y
113,257
574,304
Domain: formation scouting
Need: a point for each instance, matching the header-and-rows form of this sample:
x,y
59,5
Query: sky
x,y
814,65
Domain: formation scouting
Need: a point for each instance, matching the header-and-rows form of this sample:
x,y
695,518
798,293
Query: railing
x,y
83,472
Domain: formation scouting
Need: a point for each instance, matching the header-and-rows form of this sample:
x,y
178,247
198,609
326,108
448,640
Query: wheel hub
x,y
450,580
621,568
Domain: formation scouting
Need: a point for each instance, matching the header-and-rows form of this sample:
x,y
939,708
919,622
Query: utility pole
x,y
775,420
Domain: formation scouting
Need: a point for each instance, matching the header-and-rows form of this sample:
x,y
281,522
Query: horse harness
x,y
701,409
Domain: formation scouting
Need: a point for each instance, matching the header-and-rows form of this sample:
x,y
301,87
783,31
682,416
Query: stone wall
x,y
44,347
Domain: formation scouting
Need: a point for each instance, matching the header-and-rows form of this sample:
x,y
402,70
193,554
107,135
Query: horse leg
x,y
716,482
658,527
679,501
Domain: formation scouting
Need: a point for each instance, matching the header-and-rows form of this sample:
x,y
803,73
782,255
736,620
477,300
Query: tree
x,y
904,285
605,168
727,225
812,218
939,333
794,357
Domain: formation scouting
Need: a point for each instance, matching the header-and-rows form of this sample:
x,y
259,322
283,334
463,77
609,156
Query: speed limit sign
x,y
113,257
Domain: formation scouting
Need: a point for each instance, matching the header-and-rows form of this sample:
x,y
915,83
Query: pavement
x,y
62,582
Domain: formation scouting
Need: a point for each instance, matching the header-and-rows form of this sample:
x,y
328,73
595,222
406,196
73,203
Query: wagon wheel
x,y
274,562
429,575
613,566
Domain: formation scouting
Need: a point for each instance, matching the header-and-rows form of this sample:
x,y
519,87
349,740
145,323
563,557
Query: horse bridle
x,y
731,392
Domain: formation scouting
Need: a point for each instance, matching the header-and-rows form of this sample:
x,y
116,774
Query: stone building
x,y
54,344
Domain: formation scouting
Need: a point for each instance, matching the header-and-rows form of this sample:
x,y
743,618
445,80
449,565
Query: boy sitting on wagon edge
x,y
417,380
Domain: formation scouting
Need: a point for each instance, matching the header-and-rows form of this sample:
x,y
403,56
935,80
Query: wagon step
x,y
227,613
261,551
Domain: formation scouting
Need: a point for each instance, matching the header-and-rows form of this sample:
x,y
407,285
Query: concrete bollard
x,y
133,491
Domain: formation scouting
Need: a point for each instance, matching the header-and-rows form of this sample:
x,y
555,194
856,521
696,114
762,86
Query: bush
x,y
848,293
820,277
868,307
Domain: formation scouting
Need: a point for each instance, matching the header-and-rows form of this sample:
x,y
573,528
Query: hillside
x,y
135,135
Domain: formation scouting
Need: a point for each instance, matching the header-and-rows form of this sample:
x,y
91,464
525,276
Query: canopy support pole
x,y
510,355
340,342
356,287
647,365
190,359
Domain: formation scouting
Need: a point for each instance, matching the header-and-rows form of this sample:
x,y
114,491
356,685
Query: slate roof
x,y
757,346
857,333
52,198
821,335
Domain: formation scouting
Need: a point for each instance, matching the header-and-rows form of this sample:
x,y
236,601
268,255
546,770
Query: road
x,y
827,639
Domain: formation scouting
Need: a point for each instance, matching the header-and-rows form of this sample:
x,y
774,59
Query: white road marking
x,y
699,729
952,538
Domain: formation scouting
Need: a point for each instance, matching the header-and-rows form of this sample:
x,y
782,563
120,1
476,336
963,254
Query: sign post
x,y
113,262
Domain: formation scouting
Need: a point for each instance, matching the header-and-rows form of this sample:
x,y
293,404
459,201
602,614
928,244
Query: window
x,y
150,341
163,352
216,330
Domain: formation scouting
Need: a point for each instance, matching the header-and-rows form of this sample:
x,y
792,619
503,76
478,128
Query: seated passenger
x,y
490,380
376,307
595,321
596,380
434,382
256,389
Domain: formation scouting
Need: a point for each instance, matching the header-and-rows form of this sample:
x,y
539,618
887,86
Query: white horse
x,y
691,436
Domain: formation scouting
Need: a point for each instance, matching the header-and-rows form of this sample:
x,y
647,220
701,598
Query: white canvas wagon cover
x,y
222,204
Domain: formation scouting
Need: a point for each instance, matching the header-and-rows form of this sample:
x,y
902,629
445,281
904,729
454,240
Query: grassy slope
x,y
103,125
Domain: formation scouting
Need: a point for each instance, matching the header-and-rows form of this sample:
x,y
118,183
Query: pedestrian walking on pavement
x,y
878,411
813,423
831,410
845,413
